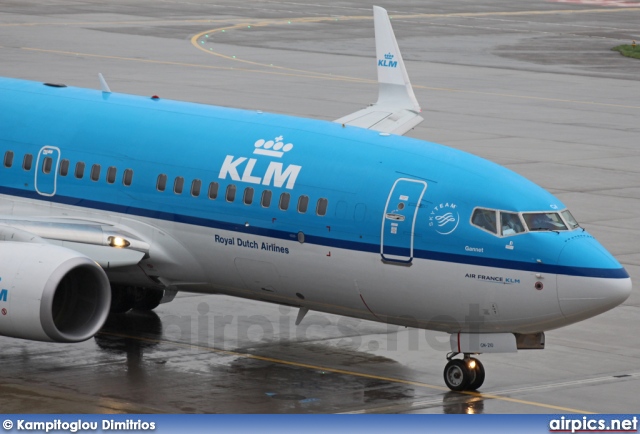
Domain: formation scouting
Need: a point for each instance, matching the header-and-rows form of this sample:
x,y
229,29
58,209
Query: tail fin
x,y
397,108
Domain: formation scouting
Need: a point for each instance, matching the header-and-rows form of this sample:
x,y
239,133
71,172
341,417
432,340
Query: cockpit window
x,y
505,223
485,219
510,223
568,218
544,221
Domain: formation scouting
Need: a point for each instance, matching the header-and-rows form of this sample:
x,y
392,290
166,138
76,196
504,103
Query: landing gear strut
x,y
463,374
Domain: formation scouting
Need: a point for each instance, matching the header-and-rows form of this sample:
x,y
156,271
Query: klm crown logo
x,y
388,61
272,148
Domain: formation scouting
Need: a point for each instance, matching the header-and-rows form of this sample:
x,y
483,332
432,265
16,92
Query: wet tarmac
x,y
531,85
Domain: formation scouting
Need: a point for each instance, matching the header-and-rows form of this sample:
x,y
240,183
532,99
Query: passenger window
x,y
284,201
248,196
178,185
544,221
8,159
111,174
303,204
321,207
231,193
95,172
511,223
265,201
485,219
64,167
127,178
46,165
161,184
196,185
213,190
79,173
27,162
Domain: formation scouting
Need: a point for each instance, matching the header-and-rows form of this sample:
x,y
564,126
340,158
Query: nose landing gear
x,y
463,374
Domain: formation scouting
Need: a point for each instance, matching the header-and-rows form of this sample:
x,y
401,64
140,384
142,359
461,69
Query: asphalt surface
x,y
530,85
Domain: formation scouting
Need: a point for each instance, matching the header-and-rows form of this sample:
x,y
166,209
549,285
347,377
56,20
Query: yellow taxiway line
x,y
282,71
350,373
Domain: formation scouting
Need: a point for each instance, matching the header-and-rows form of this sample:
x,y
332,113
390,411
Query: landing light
x,y
472,364
118,242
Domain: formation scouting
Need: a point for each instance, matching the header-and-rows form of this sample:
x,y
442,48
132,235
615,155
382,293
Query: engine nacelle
x,y
50,293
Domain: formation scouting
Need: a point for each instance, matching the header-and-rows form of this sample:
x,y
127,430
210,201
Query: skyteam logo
x,y
444,218
275,174
388,61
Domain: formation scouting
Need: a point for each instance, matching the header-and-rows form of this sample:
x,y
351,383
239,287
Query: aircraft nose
x,y
597,281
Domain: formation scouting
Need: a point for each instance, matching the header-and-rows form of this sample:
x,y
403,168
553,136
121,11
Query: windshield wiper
x,y
546,229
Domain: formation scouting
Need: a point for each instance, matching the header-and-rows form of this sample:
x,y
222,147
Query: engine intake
x,y
51,293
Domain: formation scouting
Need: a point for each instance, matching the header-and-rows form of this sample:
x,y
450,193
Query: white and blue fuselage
x,y
302,212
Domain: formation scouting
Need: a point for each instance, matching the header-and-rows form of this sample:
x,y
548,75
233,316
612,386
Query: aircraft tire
x,y
121,299
477,381
146,299
457,376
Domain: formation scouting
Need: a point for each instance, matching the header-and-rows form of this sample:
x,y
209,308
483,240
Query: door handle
x,y
394,216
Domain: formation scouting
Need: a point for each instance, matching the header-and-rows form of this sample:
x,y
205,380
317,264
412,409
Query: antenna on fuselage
x,y
103,84
301,314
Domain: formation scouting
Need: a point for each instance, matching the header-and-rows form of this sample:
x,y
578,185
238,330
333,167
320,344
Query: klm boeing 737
x,y
111,202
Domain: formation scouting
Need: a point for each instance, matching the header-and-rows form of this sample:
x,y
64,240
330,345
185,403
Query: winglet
x,y
395,87
103,84
397,108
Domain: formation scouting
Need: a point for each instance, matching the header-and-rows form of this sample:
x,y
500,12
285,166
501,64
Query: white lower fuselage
x,y
430,294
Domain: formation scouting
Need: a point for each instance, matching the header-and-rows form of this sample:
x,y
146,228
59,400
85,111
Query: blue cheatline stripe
x,y
611,273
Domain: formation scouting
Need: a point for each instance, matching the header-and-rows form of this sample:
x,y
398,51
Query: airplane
x,y
111,202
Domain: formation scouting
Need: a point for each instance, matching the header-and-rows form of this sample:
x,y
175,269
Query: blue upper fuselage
x,y
353,169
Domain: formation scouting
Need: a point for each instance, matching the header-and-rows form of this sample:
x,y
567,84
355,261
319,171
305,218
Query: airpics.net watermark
x,y
593,424
207,328
58,425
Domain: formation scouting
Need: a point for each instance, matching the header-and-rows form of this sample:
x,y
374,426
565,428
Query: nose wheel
x,y
463,374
